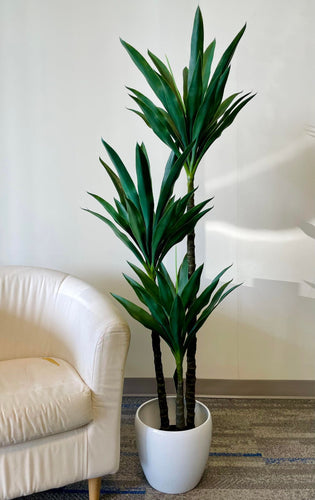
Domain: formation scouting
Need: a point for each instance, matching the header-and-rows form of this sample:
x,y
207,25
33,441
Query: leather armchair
x,y
63,349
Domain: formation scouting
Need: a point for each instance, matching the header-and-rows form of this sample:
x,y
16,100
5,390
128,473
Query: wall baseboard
x,y
229,388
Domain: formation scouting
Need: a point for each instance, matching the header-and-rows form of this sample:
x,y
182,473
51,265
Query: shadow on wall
x,y
276,192
309,230
273,337
263,225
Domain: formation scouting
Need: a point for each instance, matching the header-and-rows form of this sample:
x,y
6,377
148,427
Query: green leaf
x,y
155,307
207,63
213,304
157,120
116,181
182,203
167,75
210,105
232,111
150,75
125,179
140,314
182,228
191,289
177,323
227,293
218,294
182,276
220,87
161,89
163,270
118,218
196,45
141,116
225,104
145,189
171,174
147,282
194,93
166,292
119,234
121,209
162,231
204,298
225,122
175,111
185,85
227,56
137,227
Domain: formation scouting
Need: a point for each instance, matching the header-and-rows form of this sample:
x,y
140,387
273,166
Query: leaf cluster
x,y
200,114
149,231
176,313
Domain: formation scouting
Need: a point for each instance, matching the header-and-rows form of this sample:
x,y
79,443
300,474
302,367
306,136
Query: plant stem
x,y
191,236
192,347
191,383
180,410
160,382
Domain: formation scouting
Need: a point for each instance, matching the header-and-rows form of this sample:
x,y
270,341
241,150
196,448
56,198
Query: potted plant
x,y
175,309
197,117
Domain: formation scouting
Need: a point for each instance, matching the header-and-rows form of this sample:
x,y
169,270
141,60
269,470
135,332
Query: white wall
x,y
63,73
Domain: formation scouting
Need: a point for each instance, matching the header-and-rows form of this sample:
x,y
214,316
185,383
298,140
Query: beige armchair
x,y
62,355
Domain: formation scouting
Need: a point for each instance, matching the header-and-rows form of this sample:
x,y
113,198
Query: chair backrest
x,y
28,298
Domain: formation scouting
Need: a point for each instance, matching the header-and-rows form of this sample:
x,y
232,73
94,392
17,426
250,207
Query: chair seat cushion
x,y
40,397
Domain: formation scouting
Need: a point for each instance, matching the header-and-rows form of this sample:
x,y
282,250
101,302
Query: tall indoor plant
x,y
175,309
197,117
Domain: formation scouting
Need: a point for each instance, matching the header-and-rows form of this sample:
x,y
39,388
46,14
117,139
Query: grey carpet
x,y
261,449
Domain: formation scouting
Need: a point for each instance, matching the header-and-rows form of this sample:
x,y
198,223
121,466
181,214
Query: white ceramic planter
x,y
173,462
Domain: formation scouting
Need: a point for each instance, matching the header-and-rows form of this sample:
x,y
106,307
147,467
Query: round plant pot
x,y
172,461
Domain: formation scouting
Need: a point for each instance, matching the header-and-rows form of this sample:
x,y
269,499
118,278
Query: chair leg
x,y
94,488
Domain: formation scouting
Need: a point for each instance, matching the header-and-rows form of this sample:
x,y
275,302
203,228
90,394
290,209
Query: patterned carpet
x,y
261,449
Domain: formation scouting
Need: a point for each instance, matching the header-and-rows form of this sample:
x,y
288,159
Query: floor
x,y
261,449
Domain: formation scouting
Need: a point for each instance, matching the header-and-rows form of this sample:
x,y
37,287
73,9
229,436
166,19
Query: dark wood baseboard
x,y
229,388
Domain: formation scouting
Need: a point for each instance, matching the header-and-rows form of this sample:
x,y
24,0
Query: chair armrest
x,y
91,334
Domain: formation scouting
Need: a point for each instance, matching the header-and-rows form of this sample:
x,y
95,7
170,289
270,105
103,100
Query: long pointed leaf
x,y
147,282
191,289
116,181
182,276
167,75
155,308
196,45
118,218
194,93
227,56
166,292
145,190
158,121
210,105
137,227
167,277
137,112
224,123
125,179
120,235
177,323
207,63
204,297
172,171
140,315
161,89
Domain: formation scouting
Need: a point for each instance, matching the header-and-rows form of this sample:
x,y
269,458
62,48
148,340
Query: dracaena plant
x,y
149,231
197,117
175,311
